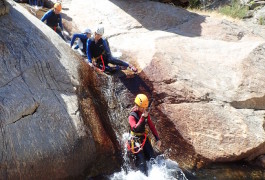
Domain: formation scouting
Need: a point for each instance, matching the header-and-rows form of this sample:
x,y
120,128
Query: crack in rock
x,y
29,112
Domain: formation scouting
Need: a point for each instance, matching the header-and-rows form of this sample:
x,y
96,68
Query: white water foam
x,y
162,169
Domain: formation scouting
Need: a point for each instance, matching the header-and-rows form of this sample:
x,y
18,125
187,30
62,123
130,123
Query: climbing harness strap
x,y
103,64
140,134
135,141
135,145
100,67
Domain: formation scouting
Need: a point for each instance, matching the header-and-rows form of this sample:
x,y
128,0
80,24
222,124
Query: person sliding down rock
x,y
53,19
98,50
140,145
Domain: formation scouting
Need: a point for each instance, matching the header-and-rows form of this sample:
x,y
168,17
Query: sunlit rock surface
x,y
205,72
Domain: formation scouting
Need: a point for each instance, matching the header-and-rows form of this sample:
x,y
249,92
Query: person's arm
x,y
152,128
106,47
88,53
136,126
81,36
46,15
60,22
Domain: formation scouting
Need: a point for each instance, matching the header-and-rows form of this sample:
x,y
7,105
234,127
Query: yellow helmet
x,y
141,100
58,6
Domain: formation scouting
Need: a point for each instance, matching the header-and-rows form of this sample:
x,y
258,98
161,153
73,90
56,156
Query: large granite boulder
x,y
205,72
44,134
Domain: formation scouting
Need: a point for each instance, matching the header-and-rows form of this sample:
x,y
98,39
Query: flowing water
x,y
162,169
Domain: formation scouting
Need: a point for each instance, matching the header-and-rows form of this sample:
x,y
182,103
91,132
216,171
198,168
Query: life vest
x,y
137,141
53,20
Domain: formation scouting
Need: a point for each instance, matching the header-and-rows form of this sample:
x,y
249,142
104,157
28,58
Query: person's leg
x,y
140,162
84,51
116,61
60,33
121,63
148,150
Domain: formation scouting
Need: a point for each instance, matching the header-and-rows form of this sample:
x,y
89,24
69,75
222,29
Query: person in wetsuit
x,y
82,39
98,49
139,118
53,19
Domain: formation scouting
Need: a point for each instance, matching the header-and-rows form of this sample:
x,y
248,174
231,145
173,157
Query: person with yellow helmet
x,y
141,146
53,19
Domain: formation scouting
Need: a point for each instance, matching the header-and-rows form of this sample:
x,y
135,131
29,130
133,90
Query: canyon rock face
x,y
43,134
205,72
60,117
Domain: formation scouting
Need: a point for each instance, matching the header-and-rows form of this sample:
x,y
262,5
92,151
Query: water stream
x,y
162,169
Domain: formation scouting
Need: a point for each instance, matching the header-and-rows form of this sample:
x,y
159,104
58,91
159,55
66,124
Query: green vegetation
x,y
235,10
261,21
193,4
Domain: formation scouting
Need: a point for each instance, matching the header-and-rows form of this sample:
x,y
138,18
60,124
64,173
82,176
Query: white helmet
x,y
100,30
87,31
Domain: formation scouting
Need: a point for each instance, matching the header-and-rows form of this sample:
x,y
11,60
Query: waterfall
x,y
162,169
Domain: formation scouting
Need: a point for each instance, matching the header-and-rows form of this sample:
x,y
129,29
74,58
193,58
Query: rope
x,y
103,65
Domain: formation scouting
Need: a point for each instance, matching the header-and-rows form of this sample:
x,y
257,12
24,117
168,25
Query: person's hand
x,y
91,64
158,144
65,33
145,114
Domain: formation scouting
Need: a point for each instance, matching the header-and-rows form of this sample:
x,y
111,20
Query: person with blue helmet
x,y
98,50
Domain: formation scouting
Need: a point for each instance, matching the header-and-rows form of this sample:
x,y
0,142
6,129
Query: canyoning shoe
x,y
132,68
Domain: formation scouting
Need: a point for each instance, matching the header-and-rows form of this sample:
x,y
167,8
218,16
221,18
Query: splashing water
x,y
162,169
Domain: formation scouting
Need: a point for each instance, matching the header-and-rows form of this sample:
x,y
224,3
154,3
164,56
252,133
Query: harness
x,y
98,64
137,141
99,55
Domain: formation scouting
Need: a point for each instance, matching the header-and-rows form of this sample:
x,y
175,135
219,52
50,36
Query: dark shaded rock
x,y
44,134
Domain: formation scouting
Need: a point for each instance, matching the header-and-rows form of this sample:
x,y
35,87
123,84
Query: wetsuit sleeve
x,y
74,38
46,16
60,22
106,47
88,53
152,128
136,126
